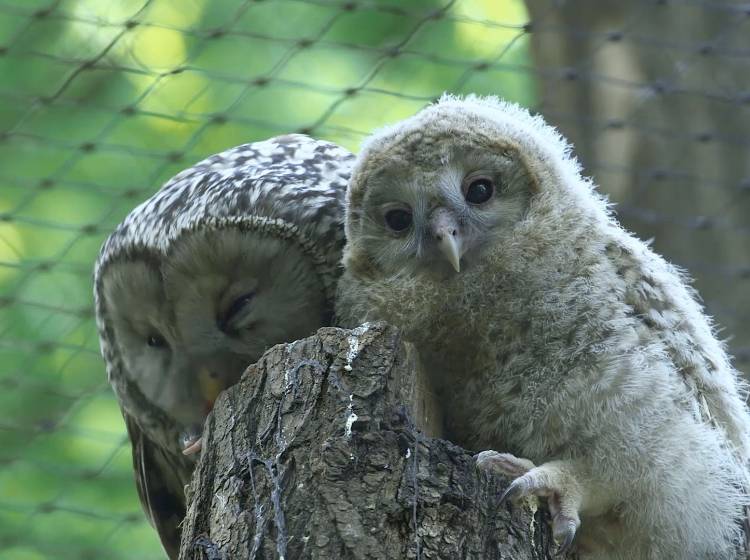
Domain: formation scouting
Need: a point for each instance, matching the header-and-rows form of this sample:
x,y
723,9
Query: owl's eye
x,y
239,304
479,191
398,219
234,309
155,340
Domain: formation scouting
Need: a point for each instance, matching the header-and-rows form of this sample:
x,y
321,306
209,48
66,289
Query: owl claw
x,y
553,480
515,490
193,447
567,540
503,463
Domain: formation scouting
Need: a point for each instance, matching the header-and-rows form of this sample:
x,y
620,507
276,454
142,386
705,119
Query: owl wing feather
x,y
160,498
660,297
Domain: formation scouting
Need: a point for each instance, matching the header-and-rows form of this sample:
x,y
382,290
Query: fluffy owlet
x,y
231,256
553,335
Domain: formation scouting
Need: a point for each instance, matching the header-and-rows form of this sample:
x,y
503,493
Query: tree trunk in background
x,y
655,96
322,451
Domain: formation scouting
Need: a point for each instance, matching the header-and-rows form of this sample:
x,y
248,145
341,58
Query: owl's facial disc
x,y
236,293
439,204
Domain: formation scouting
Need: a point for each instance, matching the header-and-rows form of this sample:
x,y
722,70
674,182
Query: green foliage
x,y
100,102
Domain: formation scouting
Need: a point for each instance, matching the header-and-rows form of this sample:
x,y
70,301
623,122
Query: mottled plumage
x,y
552,335
239,252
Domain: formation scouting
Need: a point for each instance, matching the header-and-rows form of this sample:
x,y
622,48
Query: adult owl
x,y
551,334
231,256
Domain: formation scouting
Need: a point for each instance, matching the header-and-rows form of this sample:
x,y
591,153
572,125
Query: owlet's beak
x,y
445,230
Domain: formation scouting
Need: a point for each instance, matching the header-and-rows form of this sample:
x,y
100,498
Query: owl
x,y
233,255
573,357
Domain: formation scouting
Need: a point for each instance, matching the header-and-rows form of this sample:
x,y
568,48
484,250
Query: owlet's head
x,y
432,194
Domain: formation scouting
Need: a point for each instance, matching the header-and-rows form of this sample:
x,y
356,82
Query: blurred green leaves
x,y
100,103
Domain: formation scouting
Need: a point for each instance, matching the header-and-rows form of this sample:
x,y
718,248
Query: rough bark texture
x,y
318,453
655,97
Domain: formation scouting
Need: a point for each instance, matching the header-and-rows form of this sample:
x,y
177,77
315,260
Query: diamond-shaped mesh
x,y
101,102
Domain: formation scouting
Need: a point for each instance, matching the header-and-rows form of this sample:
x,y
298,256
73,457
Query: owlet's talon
x,y
503,463
565,539
554,480
515,490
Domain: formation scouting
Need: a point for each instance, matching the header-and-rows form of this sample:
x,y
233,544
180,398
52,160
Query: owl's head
x,y
233,255
186,324
433,193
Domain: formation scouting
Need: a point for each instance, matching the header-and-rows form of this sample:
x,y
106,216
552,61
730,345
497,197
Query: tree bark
x,y
325,449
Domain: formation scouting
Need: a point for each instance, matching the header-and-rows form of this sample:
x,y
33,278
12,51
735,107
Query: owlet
x,y
553,336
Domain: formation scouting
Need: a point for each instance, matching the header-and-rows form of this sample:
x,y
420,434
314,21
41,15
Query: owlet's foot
x,y
553,480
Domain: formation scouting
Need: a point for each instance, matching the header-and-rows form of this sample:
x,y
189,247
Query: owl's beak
x,y
446,232
210,387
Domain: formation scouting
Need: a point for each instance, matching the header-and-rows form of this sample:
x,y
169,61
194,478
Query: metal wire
x,y
100,103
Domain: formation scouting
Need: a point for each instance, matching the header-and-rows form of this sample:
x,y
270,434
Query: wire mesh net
x,y
101,102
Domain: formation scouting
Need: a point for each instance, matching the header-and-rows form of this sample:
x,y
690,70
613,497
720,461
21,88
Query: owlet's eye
x,y
479,191
398,219
155,340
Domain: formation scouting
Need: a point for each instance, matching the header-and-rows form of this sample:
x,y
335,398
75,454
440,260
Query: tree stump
x,y
326,449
